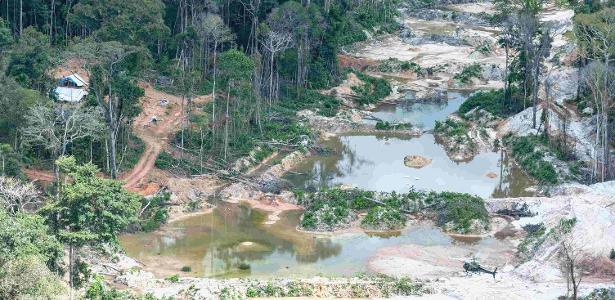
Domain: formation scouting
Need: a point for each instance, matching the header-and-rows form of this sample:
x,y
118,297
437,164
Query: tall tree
x,y
596,35
31,60
213,31
55,128
90,209
111,67
236,70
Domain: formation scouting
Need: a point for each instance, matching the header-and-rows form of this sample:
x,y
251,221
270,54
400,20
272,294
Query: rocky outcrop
x,y
416,161
593,231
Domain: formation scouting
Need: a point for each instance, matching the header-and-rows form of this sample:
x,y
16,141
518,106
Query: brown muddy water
x,y
233,242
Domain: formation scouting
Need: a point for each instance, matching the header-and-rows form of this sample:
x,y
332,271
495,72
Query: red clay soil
x,y
351,62
42,176
155,135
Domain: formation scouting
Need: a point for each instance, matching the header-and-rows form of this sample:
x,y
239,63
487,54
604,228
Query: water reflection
x,y
376,163
421,114
214,245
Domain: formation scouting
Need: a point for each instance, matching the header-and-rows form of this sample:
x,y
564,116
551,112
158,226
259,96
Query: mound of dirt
x,y
416,161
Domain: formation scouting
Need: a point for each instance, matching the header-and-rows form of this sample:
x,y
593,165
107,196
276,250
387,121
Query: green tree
x,y
31,60
236,69
6,39
28,257
15,102
90,209
130,22
9,161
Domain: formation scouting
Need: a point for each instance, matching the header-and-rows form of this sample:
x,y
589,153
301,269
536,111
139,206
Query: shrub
x,y
173,278
468,72
526,151
459,212
491,101
331,208
164,161
384,218
186,269
156,213
372,90
601,294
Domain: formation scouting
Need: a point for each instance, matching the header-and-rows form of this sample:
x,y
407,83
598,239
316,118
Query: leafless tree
x,y
570,255
602,90
17,196
596,36
54,128
212,28
274,42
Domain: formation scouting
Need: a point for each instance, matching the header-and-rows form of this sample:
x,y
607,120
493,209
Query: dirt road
x,y
155,134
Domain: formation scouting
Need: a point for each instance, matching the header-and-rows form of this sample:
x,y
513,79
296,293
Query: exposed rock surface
x,y
416,161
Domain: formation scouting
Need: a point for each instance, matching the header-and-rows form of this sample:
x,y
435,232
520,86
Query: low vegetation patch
x,y
468,72
530,154
532,241
460,212
332,209
364,287
335,208
454,134
384,218
493,102
373,90
324,105
601,294
394,65
388,126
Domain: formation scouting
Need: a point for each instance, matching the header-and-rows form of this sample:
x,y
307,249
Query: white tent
x,y
69,94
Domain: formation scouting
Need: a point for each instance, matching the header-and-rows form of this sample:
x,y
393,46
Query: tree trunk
x,y
226,119
20,17
113,152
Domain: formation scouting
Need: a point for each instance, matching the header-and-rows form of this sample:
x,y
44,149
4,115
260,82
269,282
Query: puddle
x,y
217,244
376,162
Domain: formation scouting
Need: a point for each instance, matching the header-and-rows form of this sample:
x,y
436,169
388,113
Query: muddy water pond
x,y
420,114
232,241
376,162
